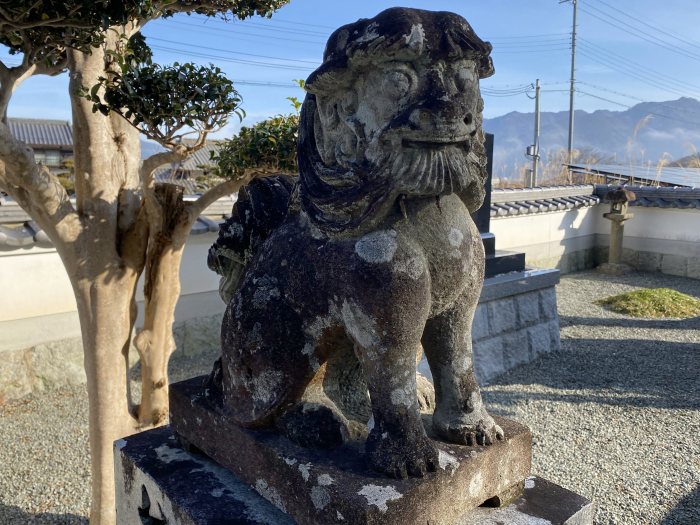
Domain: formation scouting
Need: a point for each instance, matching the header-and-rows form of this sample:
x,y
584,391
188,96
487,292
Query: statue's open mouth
x,y
435,143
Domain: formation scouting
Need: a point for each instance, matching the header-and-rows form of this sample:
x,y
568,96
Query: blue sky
x,y
629,51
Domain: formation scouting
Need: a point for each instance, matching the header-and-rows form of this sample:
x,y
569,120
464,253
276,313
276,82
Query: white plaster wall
x,y
672,231
548,235
33,282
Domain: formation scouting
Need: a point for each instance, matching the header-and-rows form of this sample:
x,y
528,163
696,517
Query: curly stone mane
x,y
340,189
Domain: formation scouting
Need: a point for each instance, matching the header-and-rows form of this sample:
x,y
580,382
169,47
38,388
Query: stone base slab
x,y
326,487
158,482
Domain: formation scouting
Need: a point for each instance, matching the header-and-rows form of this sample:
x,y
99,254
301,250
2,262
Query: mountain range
x,y
643,134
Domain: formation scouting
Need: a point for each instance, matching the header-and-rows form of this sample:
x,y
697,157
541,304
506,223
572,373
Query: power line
x,y
232,60
525,36
630,71
640,67
629,107
267,27
638,33
285,21
526,51
260,83
312,62
655,28
530,46
632,97
231,33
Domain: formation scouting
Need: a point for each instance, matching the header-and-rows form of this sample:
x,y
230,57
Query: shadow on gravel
x,y
631,372
652,324
686,512
11,515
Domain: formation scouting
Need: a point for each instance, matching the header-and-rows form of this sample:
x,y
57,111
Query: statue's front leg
x,y
460,415
386,347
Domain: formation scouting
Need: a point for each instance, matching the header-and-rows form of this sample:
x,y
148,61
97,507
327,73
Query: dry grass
x,y
654,303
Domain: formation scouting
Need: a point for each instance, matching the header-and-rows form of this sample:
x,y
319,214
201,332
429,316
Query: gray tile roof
x,y
661,197
17,230
42,133
193,163
524,201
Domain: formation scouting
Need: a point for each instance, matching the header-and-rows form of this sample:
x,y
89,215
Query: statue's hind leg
x,y
264,363
460,415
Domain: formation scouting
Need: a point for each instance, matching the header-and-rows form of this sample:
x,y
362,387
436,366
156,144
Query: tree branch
x,y
197,207
152,163
37,190
148,167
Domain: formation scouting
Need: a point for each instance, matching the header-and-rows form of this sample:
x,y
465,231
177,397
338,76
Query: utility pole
x,y
534,149
572,83
536,140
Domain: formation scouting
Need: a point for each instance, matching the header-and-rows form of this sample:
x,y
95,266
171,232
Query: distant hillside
x,y
689,161
643,134
148,148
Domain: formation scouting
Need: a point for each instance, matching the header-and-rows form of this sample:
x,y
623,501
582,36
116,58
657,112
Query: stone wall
x,y
55,364
511,331
515,324
516,321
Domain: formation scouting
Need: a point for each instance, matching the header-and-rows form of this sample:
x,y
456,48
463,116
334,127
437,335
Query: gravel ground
x,y
615,416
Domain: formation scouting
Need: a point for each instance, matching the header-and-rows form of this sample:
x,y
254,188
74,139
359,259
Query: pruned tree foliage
x,y
268,145
166,103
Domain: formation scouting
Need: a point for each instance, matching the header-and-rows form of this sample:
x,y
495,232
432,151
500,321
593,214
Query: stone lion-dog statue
x,y
338,279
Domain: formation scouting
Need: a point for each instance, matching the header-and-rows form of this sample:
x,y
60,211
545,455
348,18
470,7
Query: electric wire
x,y
632,97
232,60
658,75
312,62
636,73
655,28
636,32
695,124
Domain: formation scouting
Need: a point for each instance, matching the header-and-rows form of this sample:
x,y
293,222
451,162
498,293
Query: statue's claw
x,y
401,457
484,432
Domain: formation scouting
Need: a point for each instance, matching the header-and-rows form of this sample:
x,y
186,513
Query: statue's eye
x,y
464,78
396,84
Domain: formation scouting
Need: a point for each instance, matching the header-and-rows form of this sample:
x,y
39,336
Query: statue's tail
x,y
261,207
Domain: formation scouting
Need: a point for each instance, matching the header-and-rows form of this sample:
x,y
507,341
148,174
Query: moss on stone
x,y
657,303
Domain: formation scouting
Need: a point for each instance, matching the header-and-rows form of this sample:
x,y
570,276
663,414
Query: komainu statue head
x,y
394,110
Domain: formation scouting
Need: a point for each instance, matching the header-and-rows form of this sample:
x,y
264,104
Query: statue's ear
x,y
336,137
326,121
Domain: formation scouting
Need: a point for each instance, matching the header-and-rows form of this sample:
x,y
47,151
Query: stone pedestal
x,y
158,482
324,487
610,268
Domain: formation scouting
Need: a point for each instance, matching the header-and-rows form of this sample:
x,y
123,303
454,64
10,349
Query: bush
x,y
268,145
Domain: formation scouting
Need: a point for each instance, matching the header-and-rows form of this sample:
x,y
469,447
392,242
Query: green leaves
x,y
44,29
164,102
271,144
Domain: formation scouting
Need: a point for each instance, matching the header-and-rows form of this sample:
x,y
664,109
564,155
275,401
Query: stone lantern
x,y
619,200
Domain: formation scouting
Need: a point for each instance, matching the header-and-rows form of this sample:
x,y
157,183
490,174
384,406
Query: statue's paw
x,y
400,457
481,430
314,425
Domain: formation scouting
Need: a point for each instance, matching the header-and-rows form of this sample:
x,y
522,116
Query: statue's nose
x,y
440,103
